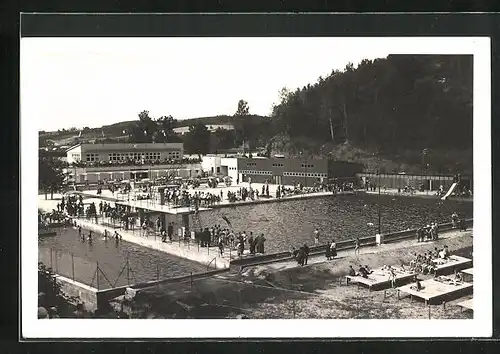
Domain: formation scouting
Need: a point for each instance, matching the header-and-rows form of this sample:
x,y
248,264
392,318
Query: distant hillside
x,y
116,130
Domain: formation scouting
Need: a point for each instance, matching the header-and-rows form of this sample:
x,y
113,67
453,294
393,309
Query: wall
x,y
283,171
87,294
231,164
400,181
69,154
210,163
103,150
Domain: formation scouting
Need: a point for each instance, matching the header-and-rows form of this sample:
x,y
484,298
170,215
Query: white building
x,y
125,151
211,164
103,162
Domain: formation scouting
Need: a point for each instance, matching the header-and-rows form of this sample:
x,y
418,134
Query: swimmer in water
x,y
90,235
105,234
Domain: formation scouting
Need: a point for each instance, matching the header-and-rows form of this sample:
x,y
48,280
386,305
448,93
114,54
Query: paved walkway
x,y
154,203
316,259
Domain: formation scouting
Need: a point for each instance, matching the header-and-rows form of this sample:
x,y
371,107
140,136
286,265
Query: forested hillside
x,y
400,105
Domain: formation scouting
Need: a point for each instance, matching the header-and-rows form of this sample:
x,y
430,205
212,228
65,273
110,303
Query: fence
x,y
107,275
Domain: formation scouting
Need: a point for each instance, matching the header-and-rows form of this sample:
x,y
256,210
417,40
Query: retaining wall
x,y
93,299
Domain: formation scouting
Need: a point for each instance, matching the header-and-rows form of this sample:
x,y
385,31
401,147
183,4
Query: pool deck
x,y
468,275
380,278
467,304
168,208
453,263
434,290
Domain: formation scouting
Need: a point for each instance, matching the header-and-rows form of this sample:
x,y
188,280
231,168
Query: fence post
x,y
73,266
97,275
293,308
429,312
128,272
191,283
157,276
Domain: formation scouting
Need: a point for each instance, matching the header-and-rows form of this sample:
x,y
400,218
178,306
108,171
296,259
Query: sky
x,y
78,82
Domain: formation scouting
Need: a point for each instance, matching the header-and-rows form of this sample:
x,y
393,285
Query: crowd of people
x,y
133,162
425,263
428,232
224,237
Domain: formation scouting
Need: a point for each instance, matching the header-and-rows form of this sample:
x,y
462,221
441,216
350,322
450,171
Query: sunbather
x,y
418,286
363,272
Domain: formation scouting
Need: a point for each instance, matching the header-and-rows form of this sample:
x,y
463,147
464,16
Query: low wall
x,y
341,245
93,299
191,251
87,294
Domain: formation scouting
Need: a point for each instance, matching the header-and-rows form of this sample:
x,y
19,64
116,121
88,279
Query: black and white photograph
x,y
178,179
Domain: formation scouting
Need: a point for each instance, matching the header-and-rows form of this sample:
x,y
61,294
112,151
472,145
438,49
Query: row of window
x,y
140,156
277,165
251,164
407,177
307,165
302,174
251,172
233,168
75,156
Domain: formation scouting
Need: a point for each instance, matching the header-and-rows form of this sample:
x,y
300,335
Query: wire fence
x,y
108,275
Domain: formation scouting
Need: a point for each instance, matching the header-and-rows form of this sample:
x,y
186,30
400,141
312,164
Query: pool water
x,y
68,255
292,223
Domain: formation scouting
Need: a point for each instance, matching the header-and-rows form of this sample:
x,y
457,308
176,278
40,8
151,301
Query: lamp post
x,y
305,168
378,202
424,166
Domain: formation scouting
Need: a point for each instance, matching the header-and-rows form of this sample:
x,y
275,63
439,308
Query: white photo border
x,y
479,326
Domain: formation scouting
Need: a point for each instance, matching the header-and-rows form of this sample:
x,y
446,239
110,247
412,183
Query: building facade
x,y
116,152
420,182
93,163
287,171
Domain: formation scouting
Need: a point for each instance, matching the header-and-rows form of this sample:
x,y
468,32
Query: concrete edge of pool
x,y
93,298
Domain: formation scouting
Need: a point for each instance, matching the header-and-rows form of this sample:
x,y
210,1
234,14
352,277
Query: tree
x,y
243,124
223,139
51,175
165,126
243,109
197,139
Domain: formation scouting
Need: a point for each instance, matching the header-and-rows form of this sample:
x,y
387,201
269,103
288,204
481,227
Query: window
x,y
92,157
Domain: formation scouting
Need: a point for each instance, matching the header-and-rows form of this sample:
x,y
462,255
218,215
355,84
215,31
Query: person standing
x,y
251,243
306,253
333,249
170,231
316,237
356,246
221,246
158,224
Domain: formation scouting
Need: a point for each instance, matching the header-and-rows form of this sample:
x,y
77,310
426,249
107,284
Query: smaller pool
x,y
71,257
